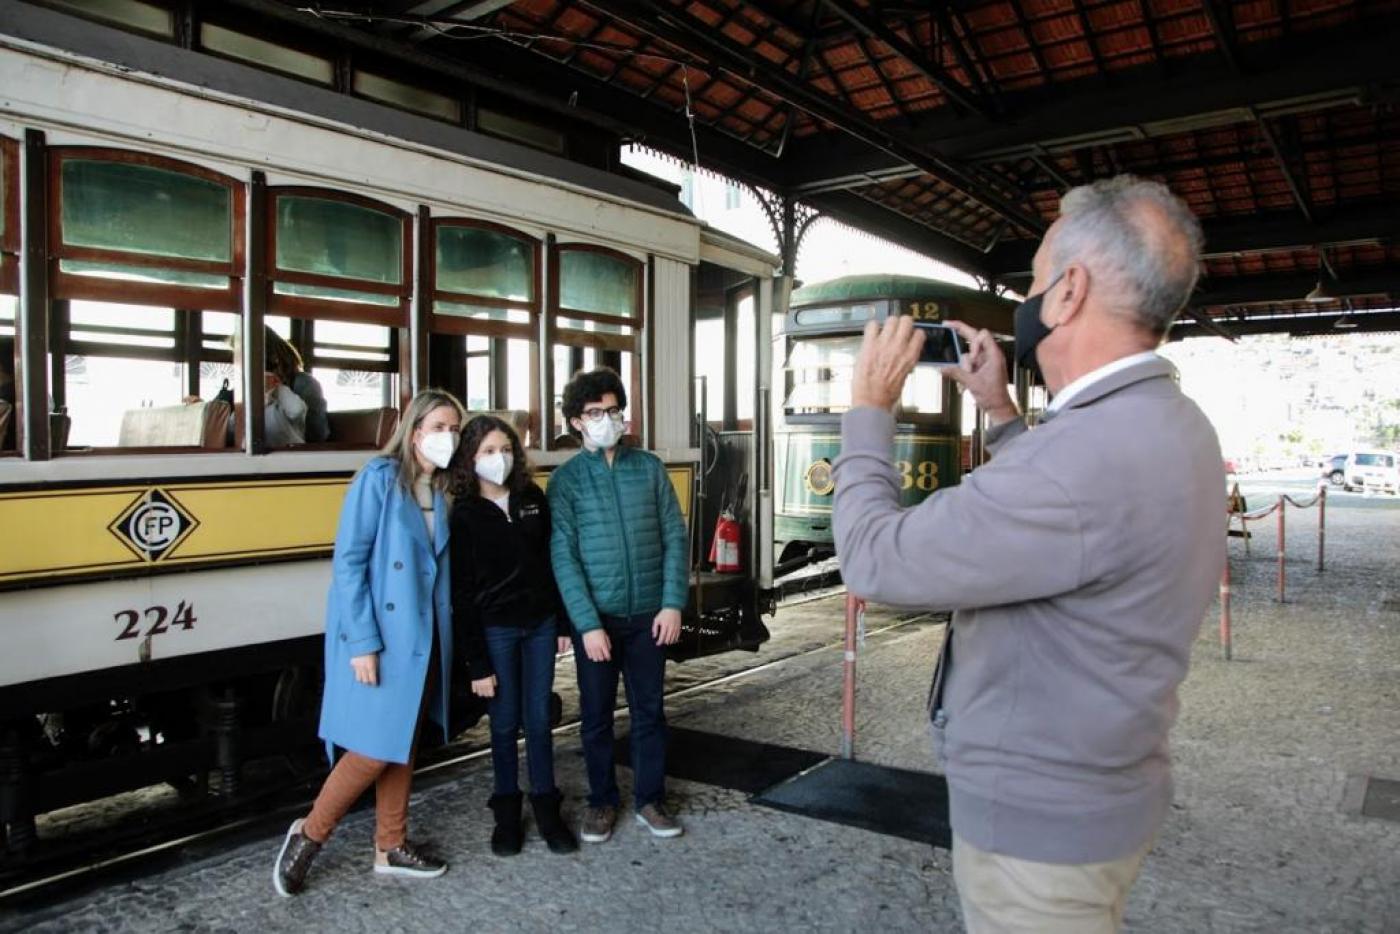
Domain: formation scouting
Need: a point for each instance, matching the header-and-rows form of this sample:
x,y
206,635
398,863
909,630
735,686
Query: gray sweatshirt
x,y
1079,563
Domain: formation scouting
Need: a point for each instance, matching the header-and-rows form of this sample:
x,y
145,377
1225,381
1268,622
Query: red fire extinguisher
x,y
724,549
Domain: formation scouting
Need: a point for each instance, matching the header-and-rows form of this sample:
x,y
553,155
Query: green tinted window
x,y
482,312
482,262
335,295
334,238
142,209
598,283
186,277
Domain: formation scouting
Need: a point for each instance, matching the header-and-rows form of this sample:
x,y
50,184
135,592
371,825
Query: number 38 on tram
x,y
822,332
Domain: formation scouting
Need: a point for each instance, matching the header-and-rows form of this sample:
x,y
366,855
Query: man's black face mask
x,y
1030,330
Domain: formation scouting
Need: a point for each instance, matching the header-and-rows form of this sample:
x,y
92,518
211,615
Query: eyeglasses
x,y
596,414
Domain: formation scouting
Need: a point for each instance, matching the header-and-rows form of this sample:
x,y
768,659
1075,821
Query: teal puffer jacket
x,y
619,541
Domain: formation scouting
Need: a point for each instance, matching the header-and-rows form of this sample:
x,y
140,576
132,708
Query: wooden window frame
x,y
451,324
602,342
9,223
93,288
527,331
300,306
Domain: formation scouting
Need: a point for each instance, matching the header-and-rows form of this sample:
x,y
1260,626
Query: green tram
x,y
822,333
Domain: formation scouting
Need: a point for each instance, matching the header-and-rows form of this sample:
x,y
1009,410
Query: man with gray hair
x,y
1078,563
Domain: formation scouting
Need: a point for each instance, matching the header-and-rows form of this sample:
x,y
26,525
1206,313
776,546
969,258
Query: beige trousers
x,y
1005,895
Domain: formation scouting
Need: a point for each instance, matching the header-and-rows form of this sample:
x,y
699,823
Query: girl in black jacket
x,y
507,611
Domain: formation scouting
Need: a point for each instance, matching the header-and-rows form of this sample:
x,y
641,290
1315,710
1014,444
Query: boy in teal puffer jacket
x,y
619,548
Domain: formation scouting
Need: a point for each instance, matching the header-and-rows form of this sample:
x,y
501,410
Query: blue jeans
x,y
642,664
524,663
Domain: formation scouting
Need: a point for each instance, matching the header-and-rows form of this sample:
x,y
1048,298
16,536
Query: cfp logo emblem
x,y
153,525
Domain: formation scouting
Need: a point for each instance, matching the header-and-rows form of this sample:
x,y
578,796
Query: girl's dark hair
x,y
463,466
591,386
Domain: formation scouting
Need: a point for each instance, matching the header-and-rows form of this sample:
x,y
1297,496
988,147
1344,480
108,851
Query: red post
x,y
1321,527
854,607
1282,572
1225,609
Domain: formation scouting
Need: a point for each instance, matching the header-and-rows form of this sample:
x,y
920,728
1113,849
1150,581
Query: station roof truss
x,y
953,126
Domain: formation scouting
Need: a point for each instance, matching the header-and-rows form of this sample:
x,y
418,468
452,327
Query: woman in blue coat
x,y
388,640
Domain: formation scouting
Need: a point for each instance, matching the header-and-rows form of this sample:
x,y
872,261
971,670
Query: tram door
x,y
731,359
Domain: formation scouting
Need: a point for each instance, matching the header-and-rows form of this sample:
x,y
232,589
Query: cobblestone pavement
x,y
1257,839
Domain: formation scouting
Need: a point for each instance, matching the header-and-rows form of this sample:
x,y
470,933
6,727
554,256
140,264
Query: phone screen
x,y
942,345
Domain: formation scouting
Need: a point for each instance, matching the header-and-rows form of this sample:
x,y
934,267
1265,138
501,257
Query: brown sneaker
x,y
655,818
293,860
597,824
408,860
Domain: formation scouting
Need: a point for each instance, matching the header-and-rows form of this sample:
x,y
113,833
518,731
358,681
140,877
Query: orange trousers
x,y
350,778
353,775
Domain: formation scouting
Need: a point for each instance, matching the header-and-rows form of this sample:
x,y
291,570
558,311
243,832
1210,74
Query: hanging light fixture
x,y
1322,292
1345,322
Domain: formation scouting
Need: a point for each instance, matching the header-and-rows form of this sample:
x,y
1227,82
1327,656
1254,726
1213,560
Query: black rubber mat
x,y
1382,799
897,802
727,761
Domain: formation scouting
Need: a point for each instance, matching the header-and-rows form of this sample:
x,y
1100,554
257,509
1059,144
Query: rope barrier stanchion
x,y
1282,567
1225,645
855,609
1321,528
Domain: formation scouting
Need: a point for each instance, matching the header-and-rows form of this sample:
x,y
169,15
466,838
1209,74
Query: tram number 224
x,y
921,476
154,620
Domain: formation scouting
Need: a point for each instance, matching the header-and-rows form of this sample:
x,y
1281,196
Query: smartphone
x,y
942,345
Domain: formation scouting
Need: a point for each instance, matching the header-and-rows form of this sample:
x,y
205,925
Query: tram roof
x,y
953,128
908,288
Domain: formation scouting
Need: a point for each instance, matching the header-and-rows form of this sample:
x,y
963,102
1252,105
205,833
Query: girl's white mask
x,y
494,467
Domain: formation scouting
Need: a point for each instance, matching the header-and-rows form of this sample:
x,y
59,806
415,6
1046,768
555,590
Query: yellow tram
x,y
163,562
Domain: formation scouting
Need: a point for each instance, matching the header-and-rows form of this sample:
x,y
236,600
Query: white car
x,y
1372,470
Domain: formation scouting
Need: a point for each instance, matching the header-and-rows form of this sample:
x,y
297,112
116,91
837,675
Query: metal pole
x,y
848,680
1321,528
1282,572
1225,645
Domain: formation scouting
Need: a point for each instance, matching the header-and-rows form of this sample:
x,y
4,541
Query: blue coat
x,y
388,587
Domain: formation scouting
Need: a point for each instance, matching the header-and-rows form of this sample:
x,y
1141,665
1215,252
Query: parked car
x,y
1372,470
1334,468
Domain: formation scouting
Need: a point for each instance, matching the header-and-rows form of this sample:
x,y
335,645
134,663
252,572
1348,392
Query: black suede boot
x,y
507,838
556,833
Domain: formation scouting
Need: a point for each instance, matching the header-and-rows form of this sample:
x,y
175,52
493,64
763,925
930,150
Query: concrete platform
x,y
1263,836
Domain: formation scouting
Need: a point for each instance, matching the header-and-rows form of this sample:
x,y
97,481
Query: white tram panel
x,y
79,628
49,90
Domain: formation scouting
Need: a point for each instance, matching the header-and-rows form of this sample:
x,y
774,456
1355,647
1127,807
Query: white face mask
x,y
604,433
438,447
494,467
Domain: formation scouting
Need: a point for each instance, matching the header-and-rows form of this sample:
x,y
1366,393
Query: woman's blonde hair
x,y
400,446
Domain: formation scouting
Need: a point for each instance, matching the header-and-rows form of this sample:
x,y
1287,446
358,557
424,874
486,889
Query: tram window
x,y
9,216
821,371
596,321
339,255
709,363
923,392
264,54
745,350
8,389
486,290
136,227
147,17
407,96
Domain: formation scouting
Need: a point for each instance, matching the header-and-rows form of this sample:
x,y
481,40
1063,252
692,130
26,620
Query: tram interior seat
x,y
367,427
6,413
518,419
197,424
